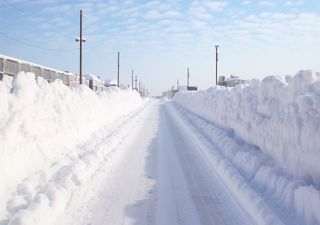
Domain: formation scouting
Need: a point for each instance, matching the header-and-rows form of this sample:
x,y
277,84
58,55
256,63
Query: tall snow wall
x,y
41,123
280,116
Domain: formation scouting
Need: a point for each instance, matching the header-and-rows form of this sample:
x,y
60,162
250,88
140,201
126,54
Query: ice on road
x,y
157,175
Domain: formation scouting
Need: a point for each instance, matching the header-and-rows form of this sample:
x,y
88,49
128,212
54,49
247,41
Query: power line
x,y
27,14
37,19
34,46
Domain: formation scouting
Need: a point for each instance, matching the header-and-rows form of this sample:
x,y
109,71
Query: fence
x,y
11,66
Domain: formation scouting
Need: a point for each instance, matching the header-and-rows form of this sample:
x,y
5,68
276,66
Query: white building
x,y
232,81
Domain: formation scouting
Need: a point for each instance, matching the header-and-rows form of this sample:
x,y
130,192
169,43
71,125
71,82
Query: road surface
x,y
157,175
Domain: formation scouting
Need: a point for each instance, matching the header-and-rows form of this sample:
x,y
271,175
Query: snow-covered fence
x,y
11,66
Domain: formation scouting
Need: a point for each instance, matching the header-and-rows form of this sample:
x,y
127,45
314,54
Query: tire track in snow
x,y
51,198
213,203
117,195
229,174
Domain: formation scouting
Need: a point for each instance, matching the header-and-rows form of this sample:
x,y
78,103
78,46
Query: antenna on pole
x,y
118,69
216,46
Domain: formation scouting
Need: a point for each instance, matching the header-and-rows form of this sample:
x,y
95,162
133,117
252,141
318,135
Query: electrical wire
x,y
35,46
27,14
36,19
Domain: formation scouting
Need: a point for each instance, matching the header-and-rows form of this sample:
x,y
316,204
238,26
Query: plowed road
x,y
158,174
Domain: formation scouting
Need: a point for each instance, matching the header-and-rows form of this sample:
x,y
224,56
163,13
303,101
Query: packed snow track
x,y
158,175
153,167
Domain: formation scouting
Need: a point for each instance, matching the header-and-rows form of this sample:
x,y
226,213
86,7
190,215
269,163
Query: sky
x,y
159,40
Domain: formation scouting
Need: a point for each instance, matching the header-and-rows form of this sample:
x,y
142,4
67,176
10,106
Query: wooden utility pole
x,y
177,84
216,46
80,40
118,69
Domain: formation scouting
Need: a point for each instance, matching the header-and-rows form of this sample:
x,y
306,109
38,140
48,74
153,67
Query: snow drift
x,y
42,123
281,118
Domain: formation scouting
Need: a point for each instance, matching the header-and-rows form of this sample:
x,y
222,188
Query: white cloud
x,y
152,14
199,25
199,12
283,16
294,3
155,14
165,21
172,13
128,2
246,2
274,28
267,3
62,8
215,6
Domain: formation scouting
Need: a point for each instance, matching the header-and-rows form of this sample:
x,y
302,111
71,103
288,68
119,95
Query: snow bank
x,y
281,118
41,124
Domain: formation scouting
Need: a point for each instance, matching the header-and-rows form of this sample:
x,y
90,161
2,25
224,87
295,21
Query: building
x,y
111,83
188,88
232,81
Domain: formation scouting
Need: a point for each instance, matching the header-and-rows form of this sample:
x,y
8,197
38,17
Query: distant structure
x,y
232,81
188,88
172,92
192,88
95,82
10,66
111,83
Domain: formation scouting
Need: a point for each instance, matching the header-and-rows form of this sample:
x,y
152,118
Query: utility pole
x,y
136,80
177,84
80,40
188,77
118,69
132,79
217,46
139,87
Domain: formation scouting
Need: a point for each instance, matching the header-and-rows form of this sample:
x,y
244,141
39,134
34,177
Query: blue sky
x,y
160,39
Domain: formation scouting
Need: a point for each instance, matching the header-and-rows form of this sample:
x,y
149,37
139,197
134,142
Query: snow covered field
x,y
269,133
247,155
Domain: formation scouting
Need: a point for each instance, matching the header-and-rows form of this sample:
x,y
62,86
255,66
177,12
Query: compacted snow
x,y
158,175
269,130
244,155
44,129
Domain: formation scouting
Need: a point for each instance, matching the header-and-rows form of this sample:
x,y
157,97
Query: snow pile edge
x,y
41,125
281,118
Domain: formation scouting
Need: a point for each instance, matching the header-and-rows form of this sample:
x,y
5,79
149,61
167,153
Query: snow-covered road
x,y
157,175
246,155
